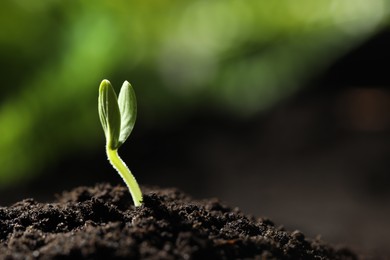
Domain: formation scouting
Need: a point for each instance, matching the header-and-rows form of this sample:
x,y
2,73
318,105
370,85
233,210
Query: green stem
x,y
126,175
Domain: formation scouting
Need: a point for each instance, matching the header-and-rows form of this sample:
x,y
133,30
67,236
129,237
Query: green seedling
x,y
117,116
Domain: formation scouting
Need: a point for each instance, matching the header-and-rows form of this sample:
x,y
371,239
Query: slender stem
x,y
126,175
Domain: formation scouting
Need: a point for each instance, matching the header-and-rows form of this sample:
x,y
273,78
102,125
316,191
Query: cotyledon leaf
x,y
109,114
128,110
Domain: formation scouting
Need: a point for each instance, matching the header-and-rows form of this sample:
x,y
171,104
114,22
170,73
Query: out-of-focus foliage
x,y
241,56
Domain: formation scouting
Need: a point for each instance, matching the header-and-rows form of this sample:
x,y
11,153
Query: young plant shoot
x,y
117,116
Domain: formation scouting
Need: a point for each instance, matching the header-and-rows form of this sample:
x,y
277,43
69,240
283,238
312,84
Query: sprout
x,y
117,116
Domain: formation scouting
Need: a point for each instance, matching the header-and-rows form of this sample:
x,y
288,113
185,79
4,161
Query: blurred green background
x,y
237,56
249,101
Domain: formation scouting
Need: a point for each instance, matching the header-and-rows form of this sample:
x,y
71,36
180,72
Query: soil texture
x,y
100,222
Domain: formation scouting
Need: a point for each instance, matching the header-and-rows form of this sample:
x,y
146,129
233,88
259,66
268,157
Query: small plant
x,y
118,116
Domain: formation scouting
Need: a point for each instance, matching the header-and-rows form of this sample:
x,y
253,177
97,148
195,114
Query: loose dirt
x,y
100,222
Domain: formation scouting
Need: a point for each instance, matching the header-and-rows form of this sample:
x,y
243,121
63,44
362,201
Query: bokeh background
x,y
278,107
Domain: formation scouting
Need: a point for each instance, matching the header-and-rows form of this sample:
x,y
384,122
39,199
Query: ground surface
x,y
100,223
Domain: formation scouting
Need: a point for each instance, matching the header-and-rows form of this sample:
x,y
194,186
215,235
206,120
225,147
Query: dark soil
x,y
101,223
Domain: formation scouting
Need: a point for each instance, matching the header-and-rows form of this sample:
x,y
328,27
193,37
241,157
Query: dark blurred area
x,y
281,109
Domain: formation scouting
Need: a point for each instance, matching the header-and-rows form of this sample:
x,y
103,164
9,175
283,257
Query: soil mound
x,y
100,222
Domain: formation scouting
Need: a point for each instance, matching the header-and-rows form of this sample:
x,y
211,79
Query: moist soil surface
x,y
100,222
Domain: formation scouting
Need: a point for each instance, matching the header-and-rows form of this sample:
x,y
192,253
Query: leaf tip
x,y
105,83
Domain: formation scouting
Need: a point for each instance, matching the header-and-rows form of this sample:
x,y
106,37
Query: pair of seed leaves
x,y
117,114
